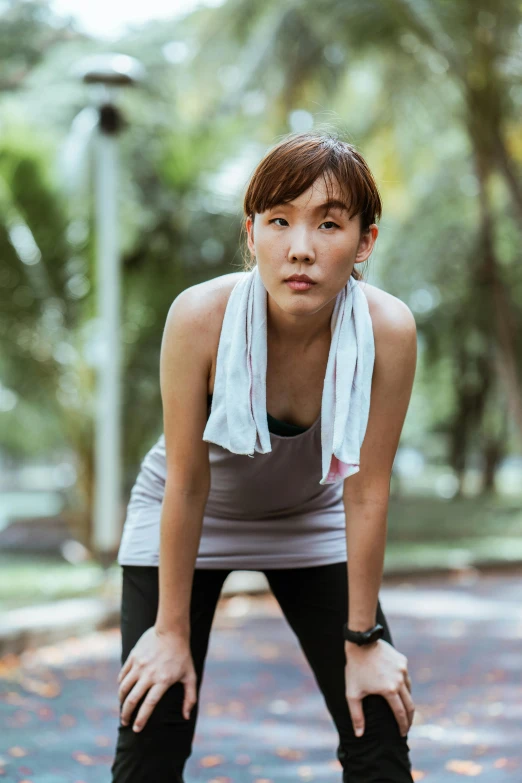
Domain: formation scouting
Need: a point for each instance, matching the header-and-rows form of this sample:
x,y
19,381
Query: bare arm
x,y
366,493
162,654
184,368
378,667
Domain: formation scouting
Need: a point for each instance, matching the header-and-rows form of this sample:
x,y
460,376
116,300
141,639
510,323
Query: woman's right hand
x,y
157,661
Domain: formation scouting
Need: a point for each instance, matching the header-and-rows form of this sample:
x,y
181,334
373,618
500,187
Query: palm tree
x,y
426,67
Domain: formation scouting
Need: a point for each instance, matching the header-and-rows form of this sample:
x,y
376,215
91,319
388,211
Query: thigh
x,y
314,600
158,752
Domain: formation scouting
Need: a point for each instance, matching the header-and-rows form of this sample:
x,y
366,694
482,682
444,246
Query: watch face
x,y
371,636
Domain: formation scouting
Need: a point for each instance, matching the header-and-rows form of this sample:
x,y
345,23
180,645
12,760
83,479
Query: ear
x,y
366,243
249,225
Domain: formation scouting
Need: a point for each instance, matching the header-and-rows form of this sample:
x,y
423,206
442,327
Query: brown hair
x,y
293,165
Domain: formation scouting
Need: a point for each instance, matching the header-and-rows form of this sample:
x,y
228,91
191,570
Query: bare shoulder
x,y
217,290
392,319
395,338
207,301
203,306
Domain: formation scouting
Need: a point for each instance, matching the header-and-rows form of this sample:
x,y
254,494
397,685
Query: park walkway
x,y
262,718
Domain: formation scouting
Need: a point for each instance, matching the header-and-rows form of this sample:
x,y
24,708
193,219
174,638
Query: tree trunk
x,y
488,275
508,169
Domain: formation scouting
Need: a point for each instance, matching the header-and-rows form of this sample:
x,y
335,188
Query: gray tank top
x,y
266,511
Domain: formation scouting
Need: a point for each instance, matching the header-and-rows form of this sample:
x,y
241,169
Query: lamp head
x,y
110,69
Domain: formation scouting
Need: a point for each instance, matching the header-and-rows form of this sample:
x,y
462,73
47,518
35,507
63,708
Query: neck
x,y
298,331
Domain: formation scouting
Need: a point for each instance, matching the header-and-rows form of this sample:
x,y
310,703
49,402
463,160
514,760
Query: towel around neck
x,y
238,421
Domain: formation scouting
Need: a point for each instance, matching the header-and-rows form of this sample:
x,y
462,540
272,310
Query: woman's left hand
x,y
378,668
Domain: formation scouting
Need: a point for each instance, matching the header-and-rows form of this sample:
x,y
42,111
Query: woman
x,y
198,511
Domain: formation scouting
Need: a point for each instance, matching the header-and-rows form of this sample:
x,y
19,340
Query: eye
x,y
281,218
330,221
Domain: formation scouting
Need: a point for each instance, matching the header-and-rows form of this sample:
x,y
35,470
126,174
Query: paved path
x,y
262,718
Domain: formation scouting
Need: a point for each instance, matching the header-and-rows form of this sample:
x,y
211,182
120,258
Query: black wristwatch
x,y
363,637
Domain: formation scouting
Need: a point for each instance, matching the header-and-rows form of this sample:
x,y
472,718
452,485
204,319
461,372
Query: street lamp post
x,y
107,73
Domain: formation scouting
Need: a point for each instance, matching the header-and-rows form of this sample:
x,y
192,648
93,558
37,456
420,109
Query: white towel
x,y
238,420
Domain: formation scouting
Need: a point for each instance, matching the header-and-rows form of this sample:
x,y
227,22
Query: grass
x,y
423,532
431,520
27,579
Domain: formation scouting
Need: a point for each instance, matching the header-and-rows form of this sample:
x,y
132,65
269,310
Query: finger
x,y
357,715
153,697
132,700
401,716
408,703
131,678
190,695
125,668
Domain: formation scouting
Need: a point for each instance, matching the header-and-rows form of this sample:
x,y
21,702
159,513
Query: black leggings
x,y
314,601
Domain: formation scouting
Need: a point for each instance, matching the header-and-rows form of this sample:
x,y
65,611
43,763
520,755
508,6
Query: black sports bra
x,y
276,426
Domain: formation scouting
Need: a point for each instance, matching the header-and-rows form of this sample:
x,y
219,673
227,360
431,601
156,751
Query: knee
x,y
381,755
159,751
156,755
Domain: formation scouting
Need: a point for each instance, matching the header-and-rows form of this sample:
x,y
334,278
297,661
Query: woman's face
x,y
299,237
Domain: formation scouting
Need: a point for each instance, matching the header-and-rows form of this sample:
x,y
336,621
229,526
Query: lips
x,y
300,279
299,285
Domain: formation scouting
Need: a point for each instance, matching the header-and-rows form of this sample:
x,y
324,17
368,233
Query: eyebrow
x,y
331,204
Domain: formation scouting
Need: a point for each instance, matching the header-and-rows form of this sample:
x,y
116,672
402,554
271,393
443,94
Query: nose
x,y
300,248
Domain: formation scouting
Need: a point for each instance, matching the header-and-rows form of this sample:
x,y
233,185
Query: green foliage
x,y
431,95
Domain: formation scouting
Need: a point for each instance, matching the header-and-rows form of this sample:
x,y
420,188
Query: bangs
x,y
296,163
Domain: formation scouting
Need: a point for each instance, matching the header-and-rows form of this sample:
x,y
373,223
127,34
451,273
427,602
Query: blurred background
x,y
430,92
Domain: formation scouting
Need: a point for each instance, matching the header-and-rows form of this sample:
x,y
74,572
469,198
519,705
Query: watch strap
x,y
363,637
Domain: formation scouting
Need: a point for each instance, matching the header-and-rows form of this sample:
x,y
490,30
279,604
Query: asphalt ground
x,y
262,718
